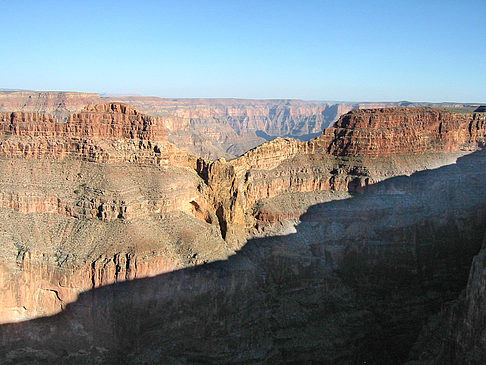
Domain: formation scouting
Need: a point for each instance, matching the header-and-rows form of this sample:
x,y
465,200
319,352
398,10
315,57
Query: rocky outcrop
x,y
325,236
365,147
385,132
229,127
210,128
42,287
58,103
354,283
465,340
457,334
207,127
107,164
113,120
103,133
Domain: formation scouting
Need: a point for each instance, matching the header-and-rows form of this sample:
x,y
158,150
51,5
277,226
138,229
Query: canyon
x,y
212,128
364,244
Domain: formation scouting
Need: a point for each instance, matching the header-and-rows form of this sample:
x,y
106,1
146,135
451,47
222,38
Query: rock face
x,y
82,203
98,121
207,127
466,334
60,104
337,290
105,132
315,250
457,335
211,128
229,127
385,132
352,155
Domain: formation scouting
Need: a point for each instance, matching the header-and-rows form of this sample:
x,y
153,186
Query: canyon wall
x,y
206,127
60,104
138,174
457,334
211,128
336,250
79,197
104,132
385,132
364,147
354,283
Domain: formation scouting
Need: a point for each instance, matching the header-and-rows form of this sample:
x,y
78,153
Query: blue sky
x,y
316,50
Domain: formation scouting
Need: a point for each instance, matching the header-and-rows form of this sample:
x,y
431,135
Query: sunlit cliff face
x,y
319,249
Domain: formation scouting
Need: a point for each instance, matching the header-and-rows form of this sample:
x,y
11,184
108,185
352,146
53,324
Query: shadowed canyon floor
x,y
305,251
355,283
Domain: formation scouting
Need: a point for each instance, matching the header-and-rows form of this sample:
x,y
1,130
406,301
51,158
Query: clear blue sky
x,y
316,50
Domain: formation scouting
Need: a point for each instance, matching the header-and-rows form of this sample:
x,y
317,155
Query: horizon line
x,y
127,95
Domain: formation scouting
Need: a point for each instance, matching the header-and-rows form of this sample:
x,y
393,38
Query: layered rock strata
x,y
80,196
103,133
364,147
130,205
211,128
60,104
353,284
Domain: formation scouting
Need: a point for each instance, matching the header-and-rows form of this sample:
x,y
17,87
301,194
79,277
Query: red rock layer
x,y
216,128
115,120
220,198
365,146
384,132
111,132
59,103
42,288
112,120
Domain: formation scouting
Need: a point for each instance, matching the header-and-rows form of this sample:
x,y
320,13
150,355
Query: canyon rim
x,y
362,244
243,182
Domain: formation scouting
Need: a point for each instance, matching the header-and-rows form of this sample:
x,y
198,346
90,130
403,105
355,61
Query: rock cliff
x,y
354,283
229,127
364,147
457,334
107,165
60,104
384,132
104,132
210,128
317,250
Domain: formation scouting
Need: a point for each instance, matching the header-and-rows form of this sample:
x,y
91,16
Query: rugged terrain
x,y
229,127
346,248
60,104
211,128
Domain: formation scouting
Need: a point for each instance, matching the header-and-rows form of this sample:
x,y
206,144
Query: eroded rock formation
x,y
364,147
77,196
60,104
210,128
326,252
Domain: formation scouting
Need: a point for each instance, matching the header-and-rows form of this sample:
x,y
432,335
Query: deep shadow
x,y
353,285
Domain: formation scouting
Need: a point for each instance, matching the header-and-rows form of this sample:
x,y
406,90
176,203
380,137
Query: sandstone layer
x,y
89,201
229,127
60,104
211,128
364,147
338,290
317,250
